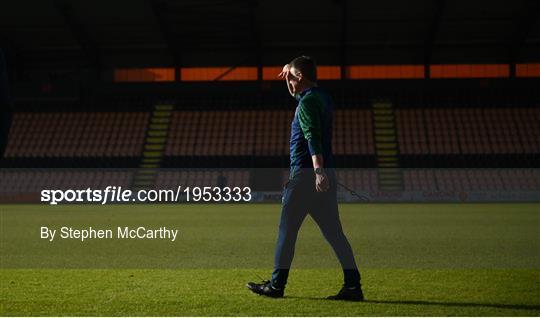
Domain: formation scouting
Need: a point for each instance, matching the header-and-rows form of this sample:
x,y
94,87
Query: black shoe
x,y
265,289
349,293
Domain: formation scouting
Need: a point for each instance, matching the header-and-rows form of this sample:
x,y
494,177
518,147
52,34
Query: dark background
x,y
61,56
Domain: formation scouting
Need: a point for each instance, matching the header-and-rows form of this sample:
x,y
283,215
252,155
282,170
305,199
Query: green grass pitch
x,y
415,259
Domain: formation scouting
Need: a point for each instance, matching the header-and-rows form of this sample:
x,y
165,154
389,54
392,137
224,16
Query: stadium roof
x,y
126,33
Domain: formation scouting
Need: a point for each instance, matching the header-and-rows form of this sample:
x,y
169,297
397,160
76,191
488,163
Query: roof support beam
x,y
433,31
173,43
523,25
343,41
256,37
88,45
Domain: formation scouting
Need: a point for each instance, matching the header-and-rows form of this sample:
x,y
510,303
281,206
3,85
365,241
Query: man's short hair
x,y
306,66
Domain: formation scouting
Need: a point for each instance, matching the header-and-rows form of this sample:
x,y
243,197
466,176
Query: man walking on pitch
x,y
312,183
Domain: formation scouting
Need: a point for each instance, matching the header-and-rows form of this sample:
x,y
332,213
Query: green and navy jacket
x,y
311,129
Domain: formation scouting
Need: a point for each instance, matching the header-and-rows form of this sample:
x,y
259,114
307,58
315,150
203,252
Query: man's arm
x,y
318,161
309,116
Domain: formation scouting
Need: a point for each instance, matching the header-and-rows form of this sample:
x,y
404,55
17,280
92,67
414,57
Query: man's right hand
x,y
285,71
321,182
286,74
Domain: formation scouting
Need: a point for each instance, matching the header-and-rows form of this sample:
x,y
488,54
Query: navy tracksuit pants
x,y
300,199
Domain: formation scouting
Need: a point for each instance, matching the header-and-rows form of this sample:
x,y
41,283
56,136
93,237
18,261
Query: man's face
x,y
295,80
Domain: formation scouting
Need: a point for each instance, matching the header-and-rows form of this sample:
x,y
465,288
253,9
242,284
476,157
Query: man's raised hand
x,y
285,71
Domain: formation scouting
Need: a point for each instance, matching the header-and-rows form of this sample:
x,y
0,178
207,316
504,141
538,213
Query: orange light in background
x,y
270,73
120,75
162,74
385,71
196,74
528,70
144,75
328,72
469,70
324,72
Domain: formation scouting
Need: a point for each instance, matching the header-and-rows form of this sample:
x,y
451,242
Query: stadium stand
x,y
460,138
259,133
84,134
472,179
469,131
249,133
359,179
